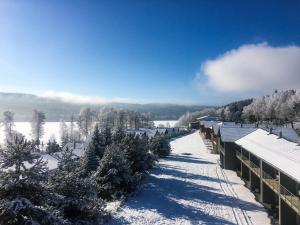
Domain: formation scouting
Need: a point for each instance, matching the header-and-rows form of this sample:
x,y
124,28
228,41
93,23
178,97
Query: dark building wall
x,y
269,170
207,133
195,125
288,215
255,183
231,161
245,172
271,198
289,183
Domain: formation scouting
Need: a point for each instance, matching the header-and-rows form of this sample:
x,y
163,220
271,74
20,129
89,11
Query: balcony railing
x,y
238,155
255,168
222,149
273,183
292,200
246,160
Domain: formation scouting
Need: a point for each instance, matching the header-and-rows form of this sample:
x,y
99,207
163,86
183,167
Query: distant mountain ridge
x,y
56,110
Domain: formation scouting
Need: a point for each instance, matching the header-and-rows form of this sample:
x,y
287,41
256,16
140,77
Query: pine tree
x,y
160,146
114,177
136,152
77,195
118,135
97,142
22,193
107,135
89,161
52,147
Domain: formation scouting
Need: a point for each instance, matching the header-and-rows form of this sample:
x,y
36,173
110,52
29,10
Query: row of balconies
x,y
292,200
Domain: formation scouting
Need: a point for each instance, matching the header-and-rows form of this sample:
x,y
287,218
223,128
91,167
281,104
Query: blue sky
x,y
148,51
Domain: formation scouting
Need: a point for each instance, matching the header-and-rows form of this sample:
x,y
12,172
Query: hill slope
x,y
55,110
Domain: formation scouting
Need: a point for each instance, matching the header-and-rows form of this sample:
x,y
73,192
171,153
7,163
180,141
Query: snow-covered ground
x,y
189,187
165,123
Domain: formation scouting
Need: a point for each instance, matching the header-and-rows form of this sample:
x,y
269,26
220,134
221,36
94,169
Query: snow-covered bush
x,y
20,210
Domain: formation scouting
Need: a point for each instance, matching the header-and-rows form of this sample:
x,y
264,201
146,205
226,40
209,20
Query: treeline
x,y
281,107
106,118
111,167
80,126
188,117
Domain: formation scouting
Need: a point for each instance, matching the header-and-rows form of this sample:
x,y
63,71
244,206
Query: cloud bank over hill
x,y
82,99
254,68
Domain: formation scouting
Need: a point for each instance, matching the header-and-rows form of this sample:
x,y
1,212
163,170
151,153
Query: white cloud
x,y
81,99
253,68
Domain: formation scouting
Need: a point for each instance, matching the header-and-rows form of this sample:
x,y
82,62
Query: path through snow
x,y
190,188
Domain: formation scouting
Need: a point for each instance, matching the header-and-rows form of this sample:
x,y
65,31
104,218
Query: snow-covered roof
x,y
287,133
52,162
278,152
207,124
231,134
209,118
216,126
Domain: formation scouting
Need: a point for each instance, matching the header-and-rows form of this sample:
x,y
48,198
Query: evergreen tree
x,y
77,195
118,135
114,177
107,135
89,161
22,193
136,153
97,142
52,147
160,146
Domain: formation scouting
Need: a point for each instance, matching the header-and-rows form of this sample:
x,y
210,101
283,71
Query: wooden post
x,y
261,181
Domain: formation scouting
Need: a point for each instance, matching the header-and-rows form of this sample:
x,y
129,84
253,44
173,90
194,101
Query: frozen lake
x,y
52,129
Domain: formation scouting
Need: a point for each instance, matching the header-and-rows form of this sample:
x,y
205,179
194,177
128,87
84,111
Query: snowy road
x,y
190,188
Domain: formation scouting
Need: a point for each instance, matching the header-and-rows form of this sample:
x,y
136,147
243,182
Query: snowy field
x,y
189,187
165,122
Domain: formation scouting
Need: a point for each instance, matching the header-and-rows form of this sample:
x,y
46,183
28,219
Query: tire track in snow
x,y
240,215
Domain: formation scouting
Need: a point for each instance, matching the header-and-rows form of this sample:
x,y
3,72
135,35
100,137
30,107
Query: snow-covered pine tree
x,y
97,142
136,153
107,135
114,177
89,161
118,135
22,192
52,147
160,146
150,157
77,195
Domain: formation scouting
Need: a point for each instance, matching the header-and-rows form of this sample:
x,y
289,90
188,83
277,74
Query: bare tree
x,y
8,122
37,125
72,125
85,120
